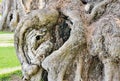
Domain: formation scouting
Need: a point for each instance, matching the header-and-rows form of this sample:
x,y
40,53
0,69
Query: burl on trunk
x,y
69,40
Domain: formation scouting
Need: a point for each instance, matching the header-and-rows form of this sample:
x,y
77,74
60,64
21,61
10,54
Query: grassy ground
x,y
8,58
5,32
14,76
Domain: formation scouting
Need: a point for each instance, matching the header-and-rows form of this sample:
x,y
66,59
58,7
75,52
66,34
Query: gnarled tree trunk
x,y
14,10
68,40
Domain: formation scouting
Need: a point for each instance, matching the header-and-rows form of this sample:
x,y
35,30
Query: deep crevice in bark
x,y
62,31
44,75
11,17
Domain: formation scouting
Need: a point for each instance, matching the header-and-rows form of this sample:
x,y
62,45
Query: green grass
x,y
7,77
5,32
8,58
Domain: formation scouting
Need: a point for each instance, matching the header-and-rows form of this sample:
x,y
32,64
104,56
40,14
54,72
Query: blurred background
x,y
10,69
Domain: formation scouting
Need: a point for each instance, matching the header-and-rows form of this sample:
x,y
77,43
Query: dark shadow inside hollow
x,y
44,75
38,37
11,17
62,31
84,1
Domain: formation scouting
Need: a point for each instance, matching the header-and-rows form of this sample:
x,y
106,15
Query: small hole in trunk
x,y
11,17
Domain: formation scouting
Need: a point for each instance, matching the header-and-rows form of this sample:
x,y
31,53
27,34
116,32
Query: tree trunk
x,y
15,10
9,17
67,40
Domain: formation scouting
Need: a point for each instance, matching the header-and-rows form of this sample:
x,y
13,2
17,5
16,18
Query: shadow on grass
x,y
8,77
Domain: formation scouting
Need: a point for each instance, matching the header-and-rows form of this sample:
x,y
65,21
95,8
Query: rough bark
x,y
9,17
14,10
68,40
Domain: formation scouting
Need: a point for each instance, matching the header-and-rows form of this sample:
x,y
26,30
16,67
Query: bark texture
x,y
67,40
14,10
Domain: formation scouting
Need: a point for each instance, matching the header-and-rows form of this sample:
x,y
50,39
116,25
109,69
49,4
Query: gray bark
x,y
66,40
9,17
14,10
